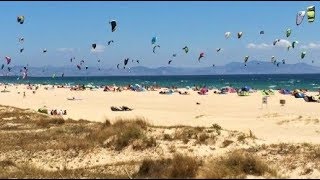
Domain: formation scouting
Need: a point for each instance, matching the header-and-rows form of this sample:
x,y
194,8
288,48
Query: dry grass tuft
x,y
26,171
202,138
45,123
6,163
315,154
236,164
57,133
120,134
226,143
179,167
241,138
187,133
217,128
167,137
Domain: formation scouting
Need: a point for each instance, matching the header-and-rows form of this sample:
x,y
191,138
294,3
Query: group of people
x,y
58,112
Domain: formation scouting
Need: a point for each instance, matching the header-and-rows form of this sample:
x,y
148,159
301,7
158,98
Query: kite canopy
x,y
154,40
109,42
294,43
275,41
288,32
94,46
300,17
154,48
45,50
20,19
239,35
261,32
288,47
303,54
201,56
227,34
218,49
246,58
311,13
113,24
8,59
186,49
21,40
126,61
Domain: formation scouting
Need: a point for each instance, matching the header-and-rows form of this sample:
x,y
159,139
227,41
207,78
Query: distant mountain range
x,y
253,67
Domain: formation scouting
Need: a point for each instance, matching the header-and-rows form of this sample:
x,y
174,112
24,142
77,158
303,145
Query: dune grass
x,y
237,164
180,166
9,169
59,134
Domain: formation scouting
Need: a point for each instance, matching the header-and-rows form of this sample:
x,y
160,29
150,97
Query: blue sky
x,y
68,29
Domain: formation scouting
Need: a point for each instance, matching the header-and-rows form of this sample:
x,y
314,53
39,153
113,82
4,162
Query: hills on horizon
x,y
253,67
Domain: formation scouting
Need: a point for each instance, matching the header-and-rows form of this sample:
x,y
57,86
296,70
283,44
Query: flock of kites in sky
x,y
310,12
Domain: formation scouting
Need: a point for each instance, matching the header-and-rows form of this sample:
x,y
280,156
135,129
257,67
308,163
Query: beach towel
x,y
243,93
270,92
284,91
267,92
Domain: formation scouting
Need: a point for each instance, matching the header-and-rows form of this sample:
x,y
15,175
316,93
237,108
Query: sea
x,y
270,81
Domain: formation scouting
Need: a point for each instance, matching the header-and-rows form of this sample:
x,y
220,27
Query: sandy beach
x,y
297,121
201,127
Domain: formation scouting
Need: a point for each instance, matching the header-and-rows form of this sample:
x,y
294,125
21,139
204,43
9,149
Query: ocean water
x,y
292,81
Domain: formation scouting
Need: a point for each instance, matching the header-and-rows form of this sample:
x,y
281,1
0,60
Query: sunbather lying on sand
x,y
166,92
123,108
184,93
73,99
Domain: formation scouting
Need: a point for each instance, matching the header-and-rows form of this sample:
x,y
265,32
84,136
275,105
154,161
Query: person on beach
x,y
24,94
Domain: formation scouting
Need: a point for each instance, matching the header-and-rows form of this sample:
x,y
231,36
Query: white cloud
x,y
99,48
258,46
65,49
283,43
311,46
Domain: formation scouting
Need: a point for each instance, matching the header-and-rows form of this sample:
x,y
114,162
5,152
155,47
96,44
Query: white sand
x,y
273,124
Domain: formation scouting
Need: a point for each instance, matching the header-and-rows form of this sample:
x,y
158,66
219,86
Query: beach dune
x,y
297,121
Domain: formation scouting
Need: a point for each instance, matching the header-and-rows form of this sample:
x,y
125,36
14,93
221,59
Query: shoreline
x,y
99,87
